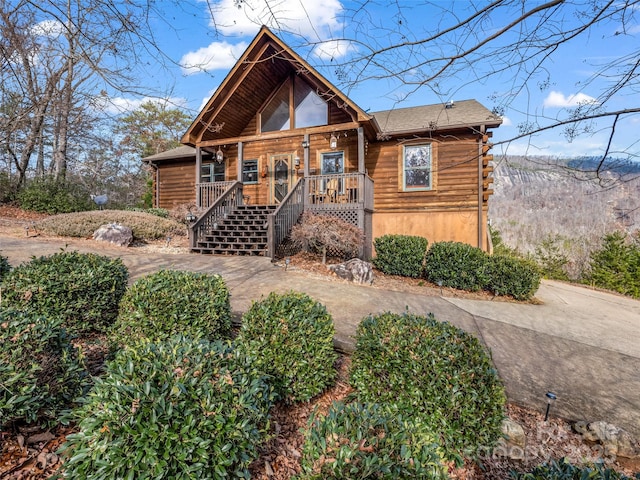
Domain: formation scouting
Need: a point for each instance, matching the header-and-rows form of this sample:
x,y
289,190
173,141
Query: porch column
x,y
305,143
480,196
198,170
240,158
361,167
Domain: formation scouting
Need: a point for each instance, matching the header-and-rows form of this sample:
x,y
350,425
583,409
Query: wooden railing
x,y
208,193
348,189
224,204
280,222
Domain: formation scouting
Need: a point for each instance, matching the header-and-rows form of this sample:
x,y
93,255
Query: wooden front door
x,y
280,177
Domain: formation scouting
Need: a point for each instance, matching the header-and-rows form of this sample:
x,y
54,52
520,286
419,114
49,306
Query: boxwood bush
x,y
83,289
433,370
563,470
171,302
5,267
517,277
180,409
457,265
400,255
357,441
291,336
40,372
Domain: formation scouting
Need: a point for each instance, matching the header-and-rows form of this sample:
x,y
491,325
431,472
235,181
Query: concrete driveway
x,y
579,343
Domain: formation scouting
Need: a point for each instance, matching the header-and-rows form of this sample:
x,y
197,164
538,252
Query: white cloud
x,y
506,121
118,105
558,99
48,28
207,98
313,19
218,55
333,49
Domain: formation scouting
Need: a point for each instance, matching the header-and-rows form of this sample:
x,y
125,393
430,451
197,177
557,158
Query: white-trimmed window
x,y
417,171
249,171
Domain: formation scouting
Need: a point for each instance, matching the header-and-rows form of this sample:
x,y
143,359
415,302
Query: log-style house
x,y
277,139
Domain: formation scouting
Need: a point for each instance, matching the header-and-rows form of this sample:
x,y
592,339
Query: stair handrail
x,y
224,205
283,218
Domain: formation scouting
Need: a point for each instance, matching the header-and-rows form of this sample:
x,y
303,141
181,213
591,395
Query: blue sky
x,y
205,39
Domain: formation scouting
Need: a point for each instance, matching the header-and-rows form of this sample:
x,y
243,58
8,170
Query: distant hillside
x,y
537,198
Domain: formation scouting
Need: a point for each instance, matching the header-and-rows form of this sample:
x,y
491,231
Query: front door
x,y
281,177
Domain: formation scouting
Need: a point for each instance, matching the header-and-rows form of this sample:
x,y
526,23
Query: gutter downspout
x,y
156,177
480,185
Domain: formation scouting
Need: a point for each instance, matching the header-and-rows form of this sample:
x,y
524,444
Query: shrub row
x,y
49,195
457,265
5,267
563,470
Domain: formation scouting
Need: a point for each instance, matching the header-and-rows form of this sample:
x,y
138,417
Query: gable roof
x,y
261,70
461,114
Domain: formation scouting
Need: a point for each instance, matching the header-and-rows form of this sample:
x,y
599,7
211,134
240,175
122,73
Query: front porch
x,y
229,225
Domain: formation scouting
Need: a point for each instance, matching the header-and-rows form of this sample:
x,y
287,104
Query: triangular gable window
x,y
309,110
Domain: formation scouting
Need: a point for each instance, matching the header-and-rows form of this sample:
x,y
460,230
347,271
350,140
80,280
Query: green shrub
x,y
499,247
40,373
181,409
170,302
512,276
82,289
400,255
563,470
551,258
369,441
158,212
433,370
5,267
291,337
616,266
457,265
48,195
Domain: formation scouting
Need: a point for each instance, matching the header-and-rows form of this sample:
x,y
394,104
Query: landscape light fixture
x,y
551,397
333,141
219,156
287,261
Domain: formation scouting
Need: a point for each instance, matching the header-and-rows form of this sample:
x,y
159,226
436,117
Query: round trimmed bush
x,y
4,267
40,373
82,289
457,265
291,337
512,276
433,370
357,441
179,409
400,255
171,302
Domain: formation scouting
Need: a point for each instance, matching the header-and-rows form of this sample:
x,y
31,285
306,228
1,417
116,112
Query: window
x,y
309,109
416,167
332,163
250,171
212,172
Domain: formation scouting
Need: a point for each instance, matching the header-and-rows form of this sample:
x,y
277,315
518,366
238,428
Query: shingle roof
x,y
183,151
465,113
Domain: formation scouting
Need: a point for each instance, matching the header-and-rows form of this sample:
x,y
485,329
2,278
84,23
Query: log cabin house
x,y
277,139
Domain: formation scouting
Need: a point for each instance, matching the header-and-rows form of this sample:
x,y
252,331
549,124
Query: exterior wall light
x,y
219,156
333,141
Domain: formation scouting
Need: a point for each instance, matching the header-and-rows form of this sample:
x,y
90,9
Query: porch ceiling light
x,y
333,141
219,156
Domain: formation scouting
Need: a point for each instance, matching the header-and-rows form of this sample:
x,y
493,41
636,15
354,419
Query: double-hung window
x,y
417,167
249,171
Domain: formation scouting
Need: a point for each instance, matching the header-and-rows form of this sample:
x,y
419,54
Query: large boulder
x,y
354,270
114,233
615,441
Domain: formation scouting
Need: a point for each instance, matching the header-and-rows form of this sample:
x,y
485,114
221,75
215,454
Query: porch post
x,y
361,167
198,170
240,158
305,141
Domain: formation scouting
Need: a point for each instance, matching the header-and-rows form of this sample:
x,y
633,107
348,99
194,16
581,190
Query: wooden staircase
x,y
241,232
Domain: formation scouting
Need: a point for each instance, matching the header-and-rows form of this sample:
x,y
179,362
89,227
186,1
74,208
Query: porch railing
x,y
223,205
280,222
208,193
328,192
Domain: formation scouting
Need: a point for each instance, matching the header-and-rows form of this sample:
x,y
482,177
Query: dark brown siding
x,y
177,183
